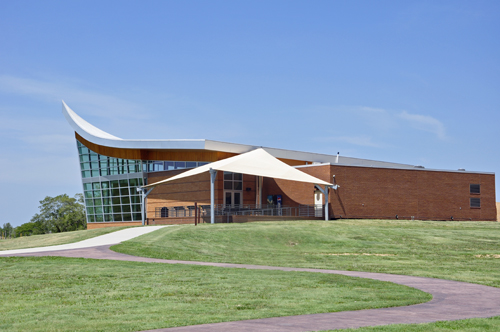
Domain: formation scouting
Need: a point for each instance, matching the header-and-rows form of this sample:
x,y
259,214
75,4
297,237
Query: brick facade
x,y
364,192
367,192
94,225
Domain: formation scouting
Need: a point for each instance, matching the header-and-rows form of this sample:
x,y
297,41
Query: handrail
x,y
241,210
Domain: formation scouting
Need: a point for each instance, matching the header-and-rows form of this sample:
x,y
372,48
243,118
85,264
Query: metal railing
x,y
241,210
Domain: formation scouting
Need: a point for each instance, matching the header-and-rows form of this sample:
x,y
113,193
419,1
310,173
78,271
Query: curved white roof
x,y
100,137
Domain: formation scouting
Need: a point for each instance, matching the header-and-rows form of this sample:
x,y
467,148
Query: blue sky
x,y
414,82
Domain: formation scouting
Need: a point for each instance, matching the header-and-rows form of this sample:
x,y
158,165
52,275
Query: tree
x,y
26,229
8,230
59,214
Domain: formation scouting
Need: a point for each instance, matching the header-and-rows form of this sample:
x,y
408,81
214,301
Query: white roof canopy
x,y
257,162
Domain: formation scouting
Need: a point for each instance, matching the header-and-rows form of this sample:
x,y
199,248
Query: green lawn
x,y
71,294
464,251
45,240
466,325
93,295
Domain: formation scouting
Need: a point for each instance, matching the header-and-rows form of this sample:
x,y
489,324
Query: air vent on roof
x,y
462,169
418,166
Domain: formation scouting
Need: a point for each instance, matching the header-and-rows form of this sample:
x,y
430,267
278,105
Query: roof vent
x,y
418,166
462,169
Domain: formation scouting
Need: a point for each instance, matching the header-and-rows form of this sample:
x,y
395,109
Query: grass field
x,y
464,251
70,294
45,240
56,294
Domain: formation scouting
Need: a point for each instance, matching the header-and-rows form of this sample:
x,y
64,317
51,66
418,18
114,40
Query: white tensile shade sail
x,y
257,162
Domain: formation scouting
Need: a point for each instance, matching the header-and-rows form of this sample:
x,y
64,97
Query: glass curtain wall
x,y
110,184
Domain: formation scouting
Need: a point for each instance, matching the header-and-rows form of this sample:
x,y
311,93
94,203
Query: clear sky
x,y
415,82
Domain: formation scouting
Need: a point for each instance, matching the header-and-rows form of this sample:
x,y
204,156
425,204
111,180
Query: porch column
x,y
144,194
327,189
213,175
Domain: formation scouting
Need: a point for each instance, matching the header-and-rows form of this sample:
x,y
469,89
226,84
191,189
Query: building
x,y
113,169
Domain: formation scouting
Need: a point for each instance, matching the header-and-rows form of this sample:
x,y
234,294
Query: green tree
x,y
26,229
8,230
59,214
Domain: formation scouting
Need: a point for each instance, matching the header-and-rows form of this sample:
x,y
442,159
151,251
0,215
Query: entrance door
x,y
232,198
233,189
318,203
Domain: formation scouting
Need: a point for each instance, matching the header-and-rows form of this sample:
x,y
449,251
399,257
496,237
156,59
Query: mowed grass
x,y
72,294
465,251
44,240
465,325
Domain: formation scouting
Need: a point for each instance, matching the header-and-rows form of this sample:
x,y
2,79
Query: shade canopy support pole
x,y
213,175
144,194
325,192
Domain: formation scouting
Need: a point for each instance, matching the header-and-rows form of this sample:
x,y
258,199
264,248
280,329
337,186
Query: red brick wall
x,y
93,225
367,192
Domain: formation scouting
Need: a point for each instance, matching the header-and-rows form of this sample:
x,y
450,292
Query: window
x,y
475,202
475,188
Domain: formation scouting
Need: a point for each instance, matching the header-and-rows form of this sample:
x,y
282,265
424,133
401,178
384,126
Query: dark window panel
x,y
475,188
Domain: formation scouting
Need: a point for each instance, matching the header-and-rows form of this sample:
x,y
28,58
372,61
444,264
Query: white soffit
x,y
257,162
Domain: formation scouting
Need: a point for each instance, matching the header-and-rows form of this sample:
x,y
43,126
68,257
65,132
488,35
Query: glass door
x,y
233,189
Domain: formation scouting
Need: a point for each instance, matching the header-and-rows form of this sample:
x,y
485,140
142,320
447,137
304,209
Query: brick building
x,y
112,169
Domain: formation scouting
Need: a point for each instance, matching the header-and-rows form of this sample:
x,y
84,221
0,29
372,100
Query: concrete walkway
x,y
452,300
102,240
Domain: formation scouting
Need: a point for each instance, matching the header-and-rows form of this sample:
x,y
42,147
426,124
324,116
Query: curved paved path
x,y
101,240
452,300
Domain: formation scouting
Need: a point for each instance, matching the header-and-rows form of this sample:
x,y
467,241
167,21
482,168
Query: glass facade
x,y
110,184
